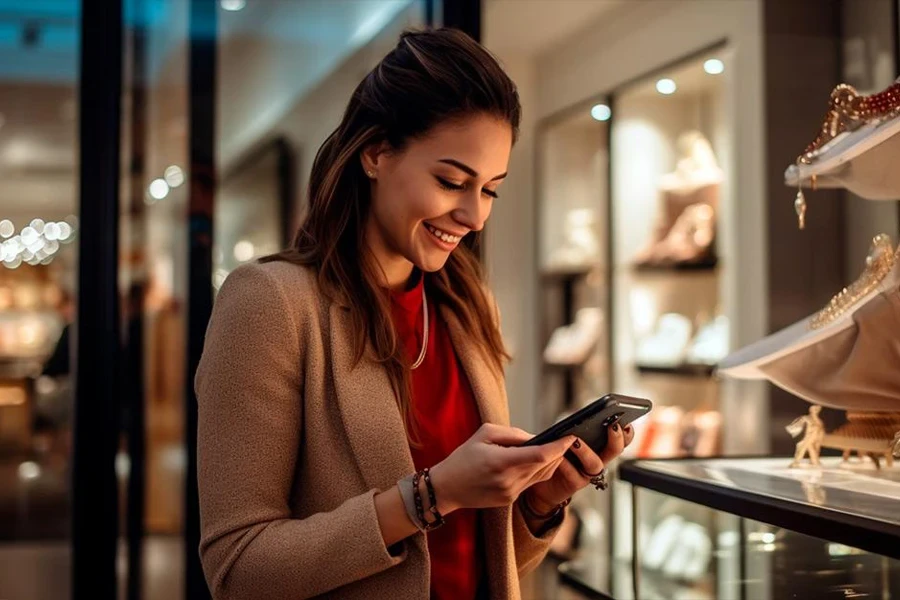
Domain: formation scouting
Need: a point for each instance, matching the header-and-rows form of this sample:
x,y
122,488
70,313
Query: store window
x,y
38,278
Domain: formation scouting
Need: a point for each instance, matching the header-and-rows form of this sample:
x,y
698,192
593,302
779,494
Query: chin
x,y
431,262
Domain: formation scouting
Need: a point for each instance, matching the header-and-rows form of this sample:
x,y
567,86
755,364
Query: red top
x,y
447,416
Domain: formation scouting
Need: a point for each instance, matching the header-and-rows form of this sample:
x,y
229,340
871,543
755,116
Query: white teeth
x,y
442,235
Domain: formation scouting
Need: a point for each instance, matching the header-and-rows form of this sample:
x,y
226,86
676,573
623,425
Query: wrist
x,y
537,505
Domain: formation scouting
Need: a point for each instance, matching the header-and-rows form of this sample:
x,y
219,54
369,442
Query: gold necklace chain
x,y
424,349
879,263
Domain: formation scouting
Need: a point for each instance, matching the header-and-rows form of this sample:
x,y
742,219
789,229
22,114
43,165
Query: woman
x,y
336,372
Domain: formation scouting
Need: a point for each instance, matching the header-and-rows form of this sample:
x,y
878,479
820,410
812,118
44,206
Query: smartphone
x,y
591,423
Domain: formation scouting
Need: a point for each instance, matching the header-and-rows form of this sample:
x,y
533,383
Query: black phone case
x,y
590,424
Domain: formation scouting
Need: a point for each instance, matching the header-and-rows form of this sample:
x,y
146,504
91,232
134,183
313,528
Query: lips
x,y
442,235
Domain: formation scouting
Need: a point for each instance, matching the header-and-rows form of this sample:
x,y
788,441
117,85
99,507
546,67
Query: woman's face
x,y
426,198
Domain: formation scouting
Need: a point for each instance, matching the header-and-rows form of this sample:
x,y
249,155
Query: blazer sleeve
x,y
249,388
530,547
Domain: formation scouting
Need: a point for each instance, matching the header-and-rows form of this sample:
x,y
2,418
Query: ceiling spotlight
x,y
666,87
174,176
38,225
159,189
7,228
233,5
601,112
714,66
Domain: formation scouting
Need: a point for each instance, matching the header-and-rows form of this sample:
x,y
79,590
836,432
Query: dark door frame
x,y
94,485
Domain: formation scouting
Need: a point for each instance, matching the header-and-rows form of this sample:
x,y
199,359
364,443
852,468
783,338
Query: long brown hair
x,y
429,78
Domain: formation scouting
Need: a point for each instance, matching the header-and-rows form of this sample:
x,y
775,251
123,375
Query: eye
x,y
455,187
448,185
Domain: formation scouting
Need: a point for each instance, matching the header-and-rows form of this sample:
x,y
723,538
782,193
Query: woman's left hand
x,y
544,496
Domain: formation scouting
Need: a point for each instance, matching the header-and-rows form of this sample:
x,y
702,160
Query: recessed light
x,y
601,112
714,66
233,5
666,86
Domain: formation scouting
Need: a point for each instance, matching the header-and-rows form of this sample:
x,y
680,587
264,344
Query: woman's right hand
x,y
489,471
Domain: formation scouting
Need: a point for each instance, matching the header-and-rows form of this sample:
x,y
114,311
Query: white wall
x,y
510,252
621,46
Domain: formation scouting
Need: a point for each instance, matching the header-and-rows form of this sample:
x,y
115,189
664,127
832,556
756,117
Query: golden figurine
x,y
812,440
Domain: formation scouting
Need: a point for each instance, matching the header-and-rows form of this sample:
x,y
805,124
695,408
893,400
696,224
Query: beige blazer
x,y
294,443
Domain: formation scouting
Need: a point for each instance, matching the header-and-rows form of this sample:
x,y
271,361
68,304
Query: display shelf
x,y
586,579
709,266
561,368
856,506
683,370
561,274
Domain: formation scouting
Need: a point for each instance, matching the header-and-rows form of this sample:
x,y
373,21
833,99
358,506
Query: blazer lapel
x,y
368,408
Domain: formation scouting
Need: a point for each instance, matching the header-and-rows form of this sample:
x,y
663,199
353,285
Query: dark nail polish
x,y
577,444
616,427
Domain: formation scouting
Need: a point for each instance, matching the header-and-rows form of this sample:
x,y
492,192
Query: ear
x,y
373,155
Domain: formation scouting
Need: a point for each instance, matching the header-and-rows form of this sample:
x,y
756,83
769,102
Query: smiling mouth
x,y
442,235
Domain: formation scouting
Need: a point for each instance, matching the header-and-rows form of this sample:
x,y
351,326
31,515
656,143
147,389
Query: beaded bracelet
x,y
420,511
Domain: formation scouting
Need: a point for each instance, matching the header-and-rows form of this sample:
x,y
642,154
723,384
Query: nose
x,y
473,212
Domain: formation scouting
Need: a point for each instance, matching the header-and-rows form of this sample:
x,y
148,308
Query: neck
x,y
393,269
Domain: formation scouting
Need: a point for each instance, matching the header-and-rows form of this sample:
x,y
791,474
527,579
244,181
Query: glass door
x,y
39,232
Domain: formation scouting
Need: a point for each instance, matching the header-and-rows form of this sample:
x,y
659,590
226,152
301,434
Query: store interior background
x,y
285,71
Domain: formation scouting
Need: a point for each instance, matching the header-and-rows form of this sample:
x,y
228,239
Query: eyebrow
x,y
467,168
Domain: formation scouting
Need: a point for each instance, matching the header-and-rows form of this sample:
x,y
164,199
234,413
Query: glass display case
x,y
573,182
754,528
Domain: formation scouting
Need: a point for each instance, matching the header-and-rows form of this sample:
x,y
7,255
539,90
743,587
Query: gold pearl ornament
x,y
879,263
371,174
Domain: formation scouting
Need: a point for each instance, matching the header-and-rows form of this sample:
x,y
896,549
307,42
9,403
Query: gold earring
x,y
371,174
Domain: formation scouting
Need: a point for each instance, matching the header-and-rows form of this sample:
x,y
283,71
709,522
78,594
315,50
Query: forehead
x,y
482,142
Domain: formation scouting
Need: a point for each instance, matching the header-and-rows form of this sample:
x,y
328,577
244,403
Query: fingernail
x,y
616,427
576,444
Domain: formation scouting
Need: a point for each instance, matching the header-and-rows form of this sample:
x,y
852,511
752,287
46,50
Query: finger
x,y
505,436
572,475
614,445
544,454
546,472
629,434
590,461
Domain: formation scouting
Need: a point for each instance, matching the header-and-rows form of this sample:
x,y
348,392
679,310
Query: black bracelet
x,y
420,511
523,502
438,518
